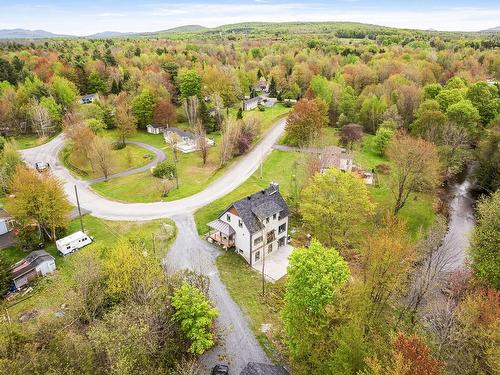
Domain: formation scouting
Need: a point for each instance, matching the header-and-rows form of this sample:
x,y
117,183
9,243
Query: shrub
x,y
165,169
118,145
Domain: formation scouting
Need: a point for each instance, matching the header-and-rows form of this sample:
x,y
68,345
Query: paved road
x,y
159,157
237,344
111,210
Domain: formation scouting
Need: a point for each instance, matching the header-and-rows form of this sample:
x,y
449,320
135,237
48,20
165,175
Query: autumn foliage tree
x,y
416,167
305,122
38,198
165,113
415,355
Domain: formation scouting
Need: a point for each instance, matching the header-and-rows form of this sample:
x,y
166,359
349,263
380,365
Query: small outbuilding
x,y
155,129
73,242
37,263
252,103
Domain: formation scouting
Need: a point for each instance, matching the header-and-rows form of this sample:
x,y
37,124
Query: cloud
x,y
80,19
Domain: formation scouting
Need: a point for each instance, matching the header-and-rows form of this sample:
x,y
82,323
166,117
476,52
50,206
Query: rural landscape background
x,y
383,142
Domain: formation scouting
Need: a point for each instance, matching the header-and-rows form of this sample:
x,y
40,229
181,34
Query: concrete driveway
x,y
275,264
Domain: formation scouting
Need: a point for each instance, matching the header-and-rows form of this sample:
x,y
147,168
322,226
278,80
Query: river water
x,y
460,224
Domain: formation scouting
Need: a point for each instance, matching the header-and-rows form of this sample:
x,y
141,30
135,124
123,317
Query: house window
x,y
270,248
282,228
228,217
282,241
274,216
257,241
240,223
267,220
271,236
257,256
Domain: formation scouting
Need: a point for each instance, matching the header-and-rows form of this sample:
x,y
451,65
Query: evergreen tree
x,y
273,93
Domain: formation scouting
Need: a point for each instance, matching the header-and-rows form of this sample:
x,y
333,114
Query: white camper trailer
x,y
72,242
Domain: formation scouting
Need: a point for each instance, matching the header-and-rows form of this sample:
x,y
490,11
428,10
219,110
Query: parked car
x,y
41,166
220,370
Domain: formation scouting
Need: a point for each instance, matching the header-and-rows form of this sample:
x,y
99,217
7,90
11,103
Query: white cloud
x,y
153,17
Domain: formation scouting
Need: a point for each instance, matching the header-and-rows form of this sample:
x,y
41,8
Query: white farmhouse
x,y
72,242
255,226
187,141
37,263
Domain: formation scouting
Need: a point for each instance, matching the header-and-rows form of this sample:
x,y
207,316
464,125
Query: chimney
x,y
275,185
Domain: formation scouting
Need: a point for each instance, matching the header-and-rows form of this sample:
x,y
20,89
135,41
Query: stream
x,y
460,224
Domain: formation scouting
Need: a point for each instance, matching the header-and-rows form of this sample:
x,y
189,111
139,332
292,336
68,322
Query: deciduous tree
x,y
335,207
305,122
102,156
416,167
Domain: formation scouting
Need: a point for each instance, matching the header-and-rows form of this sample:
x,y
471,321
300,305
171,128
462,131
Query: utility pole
x,y
79,209
154,244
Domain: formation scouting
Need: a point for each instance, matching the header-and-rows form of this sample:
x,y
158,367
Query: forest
x,y
419,109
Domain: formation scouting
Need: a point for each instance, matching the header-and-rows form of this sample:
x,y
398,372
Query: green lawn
x,y
143,187
245,287
193,175
130,157
278,167
52,291
31,140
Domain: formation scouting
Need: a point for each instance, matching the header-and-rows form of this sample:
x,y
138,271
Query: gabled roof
x,y
332,156
180,132
256,207
29,263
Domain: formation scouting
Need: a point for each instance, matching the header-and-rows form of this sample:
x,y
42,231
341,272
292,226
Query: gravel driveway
x,y
237,345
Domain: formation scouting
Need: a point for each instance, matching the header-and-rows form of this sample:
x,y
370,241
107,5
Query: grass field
x,y
50,292
130,157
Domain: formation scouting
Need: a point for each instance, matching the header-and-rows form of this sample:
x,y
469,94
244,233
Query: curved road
x,y
111,210
237,344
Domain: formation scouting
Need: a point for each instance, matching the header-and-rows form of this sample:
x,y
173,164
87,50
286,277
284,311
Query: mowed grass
x,y
278,167
245,287
143,187
50,292
129,157
31,140
193,175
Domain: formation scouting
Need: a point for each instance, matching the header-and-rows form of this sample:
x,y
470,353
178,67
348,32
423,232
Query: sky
x,y
86,17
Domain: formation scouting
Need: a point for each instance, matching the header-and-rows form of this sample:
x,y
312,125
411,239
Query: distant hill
x,y
186,29
109,34
28,34
493,29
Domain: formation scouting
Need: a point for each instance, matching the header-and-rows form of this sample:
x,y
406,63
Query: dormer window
x,y
274,216
228,217
267,220
240,223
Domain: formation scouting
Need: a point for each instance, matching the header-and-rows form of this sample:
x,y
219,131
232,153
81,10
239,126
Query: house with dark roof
x,y
255,226
37,263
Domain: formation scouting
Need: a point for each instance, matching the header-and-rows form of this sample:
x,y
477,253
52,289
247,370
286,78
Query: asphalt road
x,y
237,344
112,210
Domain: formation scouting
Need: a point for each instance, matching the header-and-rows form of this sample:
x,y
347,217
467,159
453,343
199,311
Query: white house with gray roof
x,y
254,226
